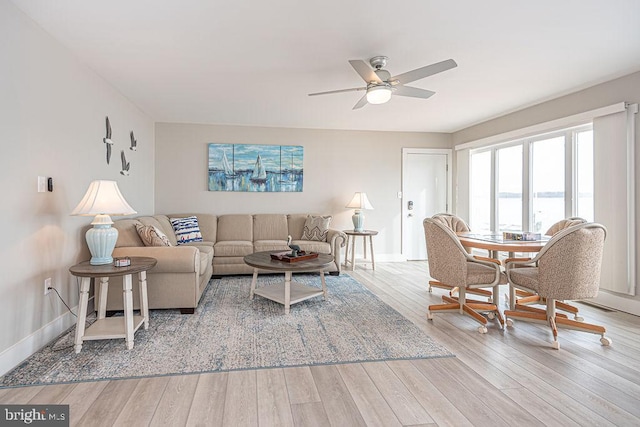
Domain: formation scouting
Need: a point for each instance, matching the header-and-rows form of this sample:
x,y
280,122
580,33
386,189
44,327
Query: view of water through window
x,y
502,168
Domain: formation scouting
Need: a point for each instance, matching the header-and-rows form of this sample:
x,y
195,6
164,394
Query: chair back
x,y
455,223
446,256
564,223
569,265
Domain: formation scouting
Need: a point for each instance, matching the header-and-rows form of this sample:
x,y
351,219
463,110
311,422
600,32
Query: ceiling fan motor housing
x,y
378,62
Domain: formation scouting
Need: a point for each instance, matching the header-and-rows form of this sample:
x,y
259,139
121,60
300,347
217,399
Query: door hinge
x,y
447,167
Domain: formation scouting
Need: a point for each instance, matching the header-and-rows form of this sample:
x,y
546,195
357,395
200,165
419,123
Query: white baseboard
x,y
379,258
625,303
391,258
17,353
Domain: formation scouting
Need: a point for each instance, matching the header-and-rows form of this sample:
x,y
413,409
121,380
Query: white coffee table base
x,y
288,292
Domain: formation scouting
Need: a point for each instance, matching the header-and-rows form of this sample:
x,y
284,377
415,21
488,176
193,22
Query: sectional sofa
x,y
183,271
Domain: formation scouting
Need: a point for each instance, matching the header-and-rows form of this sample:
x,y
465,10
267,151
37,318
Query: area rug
x,y
231,332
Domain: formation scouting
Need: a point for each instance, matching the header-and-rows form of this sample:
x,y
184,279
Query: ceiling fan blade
x,y
366,72
421,73
355,89
361,103
413,92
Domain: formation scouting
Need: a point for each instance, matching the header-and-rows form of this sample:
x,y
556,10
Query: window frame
x,y
570,172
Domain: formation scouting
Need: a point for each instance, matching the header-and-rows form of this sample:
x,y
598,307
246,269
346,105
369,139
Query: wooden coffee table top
x,y
263,260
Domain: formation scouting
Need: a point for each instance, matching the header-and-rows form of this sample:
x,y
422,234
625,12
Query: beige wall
x,y
52,113
336,164
625,89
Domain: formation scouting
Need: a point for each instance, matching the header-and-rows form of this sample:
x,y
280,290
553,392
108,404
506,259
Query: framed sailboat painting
x,y
255,167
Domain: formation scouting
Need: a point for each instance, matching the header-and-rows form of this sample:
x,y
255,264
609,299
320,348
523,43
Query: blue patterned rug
x,y
230,332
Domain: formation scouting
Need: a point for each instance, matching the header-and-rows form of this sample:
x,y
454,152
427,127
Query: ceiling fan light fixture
x,y
378,94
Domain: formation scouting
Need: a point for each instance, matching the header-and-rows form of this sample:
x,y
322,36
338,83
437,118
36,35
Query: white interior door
x,y
426,190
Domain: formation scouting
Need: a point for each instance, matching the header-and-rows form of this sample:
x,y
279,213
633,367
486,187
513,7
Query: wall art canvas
x,y
256,167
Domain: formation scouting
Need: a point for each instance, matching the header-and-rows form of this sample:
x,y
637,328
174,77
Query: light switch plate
x,y
42,184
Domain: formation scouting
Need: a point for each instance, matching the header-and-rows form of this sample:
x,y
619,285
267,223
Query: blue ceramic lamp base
x,y
101,240
358,221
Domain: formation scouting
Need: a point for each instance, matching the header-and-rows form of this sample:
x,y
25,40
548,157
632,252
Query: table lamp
x,y
103,198
359,202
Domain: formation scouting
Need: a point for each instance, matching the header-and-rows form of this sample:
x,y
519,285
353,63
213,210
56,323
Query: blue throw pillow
x,y
186,229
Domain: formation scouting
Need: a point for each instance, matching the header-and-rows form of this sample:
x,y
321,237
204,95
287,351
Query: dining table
x,y
496,243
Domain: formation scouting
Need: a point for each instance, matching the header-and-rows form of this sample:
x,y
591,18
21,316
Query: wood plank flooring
x,y
502,378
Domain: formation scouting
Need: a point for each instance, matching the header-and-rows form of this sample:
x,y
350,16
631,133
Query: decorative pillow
x,y
151,236
186,229
316,228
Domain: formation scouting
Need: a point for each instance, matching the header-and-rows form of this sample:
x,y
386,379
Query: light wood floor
x,y
510,378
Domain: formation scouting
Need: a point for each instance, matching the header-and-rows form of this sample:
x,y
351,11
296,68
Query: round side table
x,y
351,244
112,327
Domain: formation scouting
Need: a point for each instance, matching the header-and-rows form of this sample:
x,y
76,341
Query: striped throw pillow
x,y
186,229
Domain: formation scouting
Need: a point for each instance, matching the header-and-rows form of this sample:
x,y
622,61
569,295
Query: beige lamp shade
x,y
359,201
103,197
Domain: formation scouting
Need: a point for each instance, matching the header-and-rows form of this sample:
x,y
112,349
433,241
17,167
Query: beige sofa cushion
x,y
312,246
235,228
270,227
206,258
270,245
233,248
127,234
296,225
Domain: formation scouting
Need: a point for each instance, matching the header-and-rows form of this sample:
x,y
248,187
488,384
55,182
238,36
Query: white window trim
x,y
543,128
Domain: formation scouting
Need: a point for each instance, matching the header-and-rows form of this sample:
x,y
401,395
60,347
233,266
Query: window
x,y
547,183
532,183
509,170
481,191
584,175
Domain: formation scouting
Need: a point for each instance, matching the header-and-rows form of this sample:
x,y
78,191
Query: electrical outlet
x,y
47,285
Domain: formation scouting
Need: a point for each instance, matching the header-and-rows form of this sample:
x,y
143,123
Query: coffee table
x,y
288,292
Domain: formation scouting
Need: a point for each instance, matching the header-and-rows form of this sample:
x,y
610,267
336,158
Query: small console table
x,y
112,327
351,244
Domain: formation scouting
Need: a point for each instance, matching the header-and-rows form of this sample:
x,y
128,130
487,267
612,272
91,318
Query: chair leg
x,y
554,320
470,309
523,297
454,289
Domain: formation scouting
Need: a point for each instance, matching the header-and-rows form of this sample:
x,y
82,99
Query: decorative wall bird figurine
x,y
107,140
134,142
295,249
125,164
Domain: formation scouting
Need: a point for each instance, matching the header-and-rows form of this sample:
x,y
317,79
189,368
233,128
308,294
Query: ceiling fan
x,y
380,84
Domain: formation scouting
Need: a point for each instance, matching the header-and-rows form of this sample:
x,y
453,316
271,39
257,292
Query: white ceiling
x,y
253,62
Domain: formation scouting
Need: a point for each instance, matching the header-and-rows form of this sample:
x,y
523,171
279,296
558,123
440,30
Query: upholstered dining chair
x,y
457,225
567,268
525,299
450,263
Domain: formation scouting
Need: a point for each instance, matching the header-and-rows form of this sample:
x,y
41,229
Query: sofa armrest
x,y
171,259
336,238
